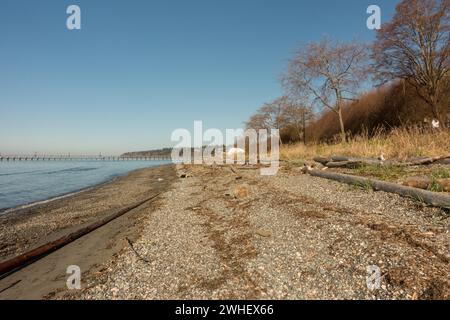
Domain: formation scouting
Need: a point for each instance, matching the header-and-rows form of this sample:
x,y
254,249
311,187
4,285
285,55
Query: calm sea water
x,y
24,182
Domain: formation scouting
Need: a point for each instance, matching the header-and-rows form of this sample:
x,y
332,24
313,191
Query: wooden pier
x,y
7,158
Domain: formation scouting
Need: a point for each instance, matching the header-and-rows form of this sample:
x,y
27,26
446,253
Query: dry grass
x,y
400,143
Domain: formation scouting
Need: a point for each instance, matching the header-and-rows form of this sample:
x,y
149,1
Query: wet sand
x,y
31,227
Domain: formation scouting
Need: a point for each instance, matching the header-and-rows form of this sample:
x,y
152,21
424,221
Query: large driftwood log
x,y
352,162
431,198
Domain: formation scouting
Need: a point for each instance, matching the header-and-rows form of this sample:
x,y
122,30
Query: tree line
x,y
413,49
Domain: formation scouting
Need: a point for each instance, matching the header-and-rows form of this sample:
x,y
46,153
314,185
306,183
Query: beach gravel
x,y
290,236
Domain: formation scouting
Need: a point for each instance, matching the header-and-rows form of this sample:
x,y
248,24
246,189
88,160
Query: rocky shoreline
x,y
229,233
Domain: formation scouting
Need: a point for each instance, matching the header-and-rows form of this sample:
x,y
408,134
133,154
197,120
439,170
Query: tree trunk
x,y
341,122
304,127
299,133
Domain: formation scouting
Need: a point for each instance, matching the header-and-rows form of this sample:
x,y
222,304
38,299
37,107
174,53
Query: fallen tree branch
x,y
10,286
137,253
428,197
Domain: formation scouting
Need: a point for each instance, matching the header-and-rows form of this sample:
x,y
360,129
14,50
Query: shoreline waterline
x,y
30,205
85,186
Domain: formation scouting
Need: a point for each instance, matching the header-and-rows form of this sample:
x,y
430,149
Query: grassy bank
x,y
399,144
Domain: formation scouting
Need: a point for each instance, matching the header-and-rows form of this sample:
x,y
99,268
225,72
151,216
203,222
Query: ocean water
x,y
25,182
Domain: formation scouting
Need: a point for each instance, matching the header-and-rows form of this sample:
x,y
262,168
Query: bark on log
x,y
350,162
342,164
14,264
322,160
353,163
340,158
443,161
431,198
420,161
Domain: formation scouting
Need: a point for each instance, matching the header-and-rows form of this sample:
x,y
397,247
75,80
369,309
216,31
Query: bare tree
x,y
415,47
273,114
284,114
256,122
328,72
298,115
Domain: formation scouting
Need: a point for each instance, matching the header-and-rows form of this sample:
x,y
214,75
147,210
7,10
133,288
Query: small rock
x,y
417,182
240,192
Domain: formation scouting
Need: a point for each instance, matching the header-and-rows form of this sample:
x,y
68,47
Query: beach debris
x,y
240,192
233,170
417,182
160,179
183,175
134,250
264,233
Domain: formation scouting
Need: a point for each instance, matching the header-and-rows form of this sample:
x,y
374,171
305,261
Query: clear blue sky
x,y
137,70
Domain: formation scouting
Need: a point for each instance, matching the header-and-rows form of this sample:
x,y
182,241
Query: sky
x,y
139,69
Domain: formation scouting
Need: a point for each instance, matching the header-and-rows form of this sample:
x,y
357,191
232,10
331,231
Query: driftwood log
x,y
351,162
431,198
14,264
443,161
